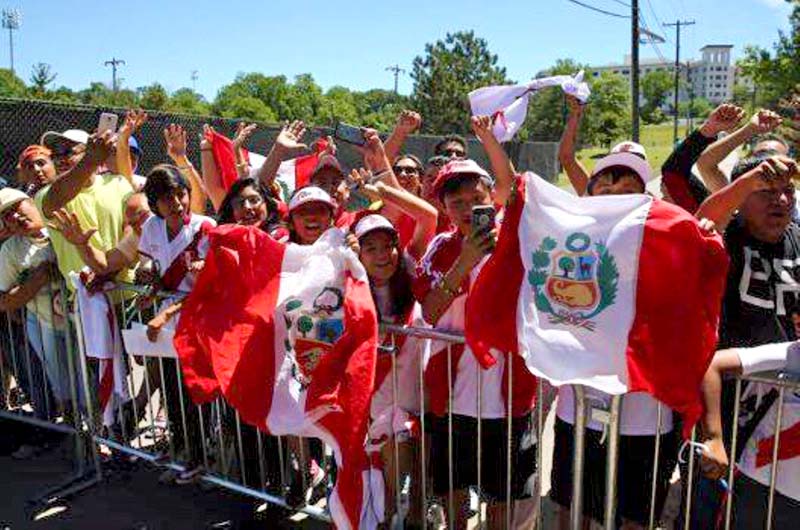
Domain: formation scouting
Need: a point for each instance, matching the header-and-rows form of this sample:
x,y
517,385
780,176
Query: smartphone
x,y
349,133
108,122
483,218
357,200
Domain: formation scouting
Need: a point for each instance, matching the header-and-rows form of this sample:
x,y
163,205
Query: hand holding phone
x,y
108,122
483,219
349,133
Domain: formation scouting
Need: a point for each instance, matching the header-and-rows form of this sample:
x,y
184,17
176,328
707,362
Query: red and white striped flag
x,y
620,293
288,335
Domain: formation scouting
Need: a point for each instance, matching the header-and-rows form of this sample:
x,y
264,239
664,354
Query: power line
x,y
655,16
620,2
597,9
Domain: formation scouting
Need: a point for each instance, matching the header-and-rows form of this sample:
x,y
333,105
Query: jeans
x,y
50,346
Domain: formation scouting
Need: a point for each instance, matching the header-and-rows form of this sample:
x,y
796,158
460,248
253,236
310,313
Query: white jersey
x,y
638,416
756,459
157,246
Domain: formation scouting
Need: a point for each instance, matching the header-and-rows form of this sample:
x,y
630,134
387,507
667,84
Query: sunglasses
x,y
400,170
454,153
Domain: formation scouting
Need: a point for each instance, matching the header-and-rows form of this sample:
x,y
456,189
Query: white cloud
x,y
776,4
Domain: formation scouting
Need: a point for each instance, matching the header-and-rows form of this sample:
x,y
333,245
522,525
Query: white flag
x,y
508,104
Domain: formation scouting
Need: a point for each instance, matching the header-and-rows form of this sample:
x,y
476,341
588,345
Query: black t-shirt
x,y
763,290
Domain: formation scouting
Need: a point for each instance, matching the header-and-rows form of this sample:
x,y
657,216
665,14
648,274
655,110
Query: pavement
x,y
124,500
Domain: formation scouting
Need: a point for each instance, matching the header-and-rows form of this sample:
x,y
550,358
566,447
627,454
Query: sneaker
x,y
191,475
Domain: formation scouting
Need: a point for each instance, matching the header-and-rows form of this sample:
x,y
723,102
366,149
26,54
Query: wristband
x,y
453,293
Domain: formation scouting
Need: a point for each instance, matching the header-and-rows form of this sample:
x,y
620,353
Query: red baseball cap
x,y
458,168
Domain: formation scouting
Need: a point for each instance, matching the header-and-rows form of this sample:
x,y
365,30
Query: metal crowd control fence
x,y
246,461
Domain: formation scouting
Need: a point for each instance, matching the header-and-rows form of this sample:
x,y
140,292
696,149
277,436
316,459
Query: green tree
x,y
187,101
378,108
444,76
608,116
547,110
250,109
305,101
41,76
699,108
63,95
776,73
153,97
656,85
567,265
11,86
304,325
338,104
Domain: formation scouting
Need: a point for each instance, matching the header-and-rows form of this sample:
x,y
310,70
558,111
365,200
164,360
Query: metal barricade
x,y
161,426
39,383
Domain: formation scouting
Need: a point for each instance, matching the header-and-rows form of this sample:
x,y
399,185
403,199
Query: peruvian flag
x,y
288,335
292,174
620,293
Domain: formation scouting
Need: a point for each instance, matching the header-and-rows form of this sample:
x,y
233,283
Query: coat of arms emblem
x,y
573,284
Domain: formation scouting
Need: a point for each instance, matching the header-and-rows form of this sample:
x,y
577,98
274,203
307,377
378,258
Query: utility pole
x,y
194,80
677,25
396,70
635,70
113,63
12,19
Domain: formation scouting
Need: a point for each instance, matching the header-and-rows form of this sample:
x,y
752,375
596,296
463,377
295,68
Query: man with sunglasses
x,y
97,200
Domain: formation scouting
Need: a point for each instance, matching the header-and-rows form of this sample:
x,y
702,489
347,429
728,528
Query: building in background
x,y
711,77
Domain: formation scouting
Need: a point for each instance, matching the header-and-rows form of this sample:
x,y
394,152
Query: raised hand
x,y
175,137
773,173
289,139
205,137
361,178
373,152
70,227
99,147
408,122
134,119
243,132
482,126
765,121
723,118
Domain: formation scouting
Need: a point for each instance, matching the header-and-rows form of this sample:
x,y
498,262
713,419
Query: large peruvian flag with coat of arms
x,y
288,335
621,293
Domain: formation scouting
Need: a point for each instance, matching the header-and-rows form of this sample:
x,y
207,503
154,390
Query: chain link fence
x,y
22,122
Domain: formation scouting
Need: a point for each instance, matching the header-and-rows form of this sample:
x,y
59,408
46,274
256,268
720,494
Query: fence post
x,y
576,509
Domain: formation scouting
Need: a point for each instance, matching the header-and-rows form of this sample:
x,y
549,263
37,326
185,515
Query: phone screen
x,y
483,218
349,133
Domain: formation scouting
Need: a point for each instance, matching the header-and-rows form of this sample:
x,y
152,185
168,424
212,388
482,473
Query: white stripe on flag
x,y
594,355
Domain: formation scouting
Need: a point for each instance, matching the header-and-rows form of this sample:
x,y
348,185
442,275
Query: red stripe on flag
x,y
682,274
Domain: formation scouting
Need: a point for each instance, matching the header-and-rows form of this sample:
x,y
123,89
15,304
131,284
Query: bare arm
x,y
133,120
708,163
211,176
67,186
408,122
501,166
21,294
175,137
287,144
772,174
439,298
577,174
243,132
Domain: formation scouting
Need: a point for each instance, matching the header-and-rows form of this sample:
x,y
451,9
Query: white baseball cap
x,y
625,159
630,147
9,197
373,222
310,194
75,136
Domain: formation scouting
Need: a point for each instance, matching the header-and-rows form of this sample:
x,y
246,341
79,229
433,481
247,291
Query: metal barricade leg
x,y
451,514
539,454
654,482
773,472
576,507
612,464
690,484
732,463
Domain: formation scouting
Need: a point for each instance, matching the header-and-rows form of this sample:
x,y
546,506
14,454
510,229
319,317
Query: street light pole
x,y
635,70
12,19
677,24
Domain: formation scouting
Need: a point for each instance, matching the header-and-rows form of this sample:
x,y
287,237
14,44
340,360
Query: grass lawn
x,y
656,139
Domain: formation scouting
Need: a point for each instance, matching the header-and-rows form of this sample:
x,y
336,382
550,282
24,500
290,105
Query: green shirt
x,y
100,206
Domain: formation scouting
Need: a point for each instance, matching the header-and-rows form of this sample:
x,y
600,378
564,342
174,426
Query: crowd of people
x,y
78,207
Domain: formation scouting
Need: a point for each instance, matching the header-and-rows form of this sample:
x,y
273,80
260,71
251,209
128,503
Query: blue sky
x,y
349,43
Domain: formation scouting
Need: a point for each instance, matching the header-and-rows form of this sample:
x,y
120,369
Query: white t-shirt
x,y
18,256
756,459
638,417
155,243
